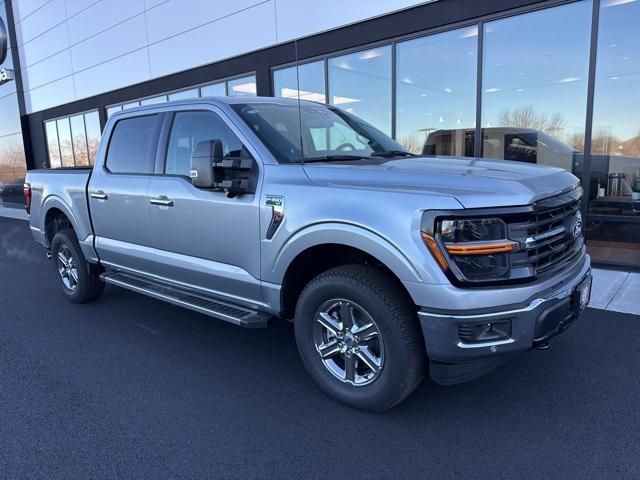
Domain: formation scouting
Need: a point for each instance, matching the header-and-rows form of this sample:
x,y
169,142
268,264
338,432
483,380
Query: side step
x,y
228,312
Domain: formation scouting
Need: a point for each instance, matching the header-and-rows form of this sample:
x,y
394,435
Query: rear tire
x,y
384,337
80,280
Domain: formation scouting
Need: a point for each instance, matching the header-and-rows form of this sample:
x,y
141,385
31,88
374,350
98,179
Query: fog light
x,y
484,332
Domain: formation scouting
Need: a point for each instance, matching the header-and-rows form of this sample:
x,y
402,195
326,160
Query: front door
x,y
203,239
118,197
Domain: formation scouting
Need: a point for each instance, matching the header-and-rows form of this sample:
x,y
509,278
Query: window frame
x,y
152,154
54,120
167,128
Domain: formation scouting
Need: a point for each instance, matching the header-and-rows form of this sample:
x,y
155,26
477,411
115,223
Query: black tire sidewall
x,y
67,238
381,391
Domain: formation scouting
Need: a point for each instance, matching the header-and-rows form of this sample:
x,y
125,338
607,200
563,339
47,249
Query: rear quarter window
x,y
133,143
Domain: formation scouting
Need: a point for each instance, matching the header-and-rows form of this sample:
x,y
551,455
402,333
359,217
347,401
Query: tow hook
x,y
543,345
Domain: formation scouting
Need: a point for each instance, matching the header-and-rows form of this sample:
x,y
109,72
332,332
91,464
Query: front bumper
x,y
453,360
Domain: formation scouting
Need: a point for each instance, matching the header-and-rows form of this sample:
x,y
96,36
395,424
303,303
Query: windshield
x,y
325,133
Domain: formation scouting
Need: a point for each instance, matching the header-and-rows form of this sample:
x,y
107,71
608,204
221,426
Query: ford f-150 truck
x,y
390,264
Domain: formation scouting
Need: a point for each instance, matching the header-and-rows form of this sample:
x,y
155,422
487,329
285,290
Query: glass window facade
x,y
305,81
534,86
214,90
73,141
614,175
436,106
245,85
12,155
242,86
360,83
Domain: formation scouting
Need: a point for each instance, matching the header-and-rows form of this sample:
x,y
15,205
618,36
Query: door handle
x,y
161,200
100,195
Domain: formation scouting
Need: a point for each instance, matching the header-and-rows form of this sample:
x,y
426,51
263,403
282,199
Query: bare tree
x,y
12,162
527,117
413,142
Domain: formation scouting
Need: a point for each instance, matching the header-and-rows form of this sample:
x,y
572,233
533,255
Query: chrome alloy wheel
x,y
348,342
67,268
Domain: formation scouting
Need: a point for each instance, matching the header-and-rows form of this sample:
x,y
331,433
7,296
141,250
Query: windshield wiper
x,y
393,153
335,158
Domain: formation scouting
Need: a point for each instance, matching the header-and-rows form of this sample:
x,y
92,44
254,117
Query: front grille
x,y
551,236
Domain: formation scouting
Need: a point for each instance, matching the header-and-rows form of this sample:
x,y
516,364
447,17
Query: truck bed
x,y
64,189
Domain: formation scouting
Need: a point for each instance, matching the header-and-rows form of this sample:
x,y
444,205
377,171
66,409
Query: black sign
x,y
4,42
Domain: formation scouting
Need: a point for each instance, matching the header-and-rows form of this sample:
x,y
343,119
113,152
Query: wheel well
x,y
312,262
54,222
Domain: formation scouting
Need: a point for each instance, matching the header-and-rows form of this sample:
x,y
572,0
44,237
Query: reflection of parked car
x,y
519,144
11,193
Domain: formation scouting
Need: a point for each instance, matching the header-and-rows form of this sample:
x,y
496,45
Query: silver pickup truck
x,y
390,264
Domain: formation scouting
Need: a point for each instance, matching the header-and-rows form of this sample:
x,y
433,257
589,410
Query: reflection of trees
x,y
527,117
12,162
413,142
83,154
604,143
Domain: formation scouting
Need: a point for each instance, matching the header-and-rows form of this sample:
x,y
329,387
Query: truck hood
x,y
475,183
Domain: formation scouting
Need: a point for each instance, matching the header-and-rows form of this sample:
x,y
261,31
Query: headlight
x,y
473,249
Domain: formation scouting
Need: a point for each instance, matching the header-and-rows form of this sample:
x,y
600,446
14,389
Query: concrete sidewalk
x,y
612,290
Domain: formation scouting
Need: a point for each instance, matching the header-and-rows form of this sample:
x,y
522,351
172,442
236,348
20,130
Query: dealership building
x,y
549,82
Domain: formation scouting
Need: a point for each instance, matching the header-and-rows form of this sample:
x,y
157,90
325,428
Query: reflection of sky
x,y
12,163
436,82
361,84
539,59
617,92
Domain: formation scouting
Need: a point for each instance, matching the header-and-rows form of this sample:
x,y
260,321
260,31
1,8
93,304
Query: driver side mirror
x,y
202,160
210,169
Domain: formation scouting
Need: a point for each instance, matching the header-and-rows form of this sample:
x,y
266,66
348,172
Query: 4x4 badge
x,y
276,202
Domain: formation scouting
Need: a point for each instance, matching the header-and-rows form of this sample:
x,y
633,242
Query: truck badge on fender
x,y
276,202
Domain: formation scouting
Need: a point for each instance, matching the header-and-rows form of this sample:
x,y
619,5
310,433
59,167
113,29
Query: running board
x,y
228,312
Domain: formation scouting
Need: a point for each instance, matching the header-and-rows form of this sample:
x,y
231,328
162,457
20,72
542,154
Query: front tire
x,y
358,336
80,280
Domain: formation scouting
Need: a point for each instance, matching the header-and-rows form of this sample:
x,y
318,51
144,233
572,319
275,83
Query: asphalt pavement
x,y
130,387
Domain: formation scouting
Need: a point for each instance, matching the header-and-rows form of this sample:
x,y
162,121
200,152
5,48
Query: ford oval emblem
x,y
577,229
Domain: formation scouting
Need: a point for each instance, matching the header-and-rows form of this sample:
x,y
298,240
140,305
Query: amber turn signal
x,y
484,248
435,251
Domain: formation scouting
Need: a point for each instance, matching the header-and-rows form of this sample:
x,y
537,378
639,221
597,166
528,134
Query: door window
x,y
191,128
133,144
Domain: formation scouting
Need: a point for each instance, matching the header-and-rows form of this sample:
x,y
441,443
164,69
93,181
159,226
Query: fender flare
x,y
347,234
54,201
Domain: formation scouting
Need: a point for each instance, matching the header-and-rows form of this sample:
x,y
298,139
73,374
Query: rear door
x,y
204,239
118,193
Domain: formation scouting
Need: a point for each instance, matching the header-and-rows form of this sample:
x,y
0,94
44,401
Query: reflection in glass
x,y
213,90
305,81
242,86
80,153
534,84
113,109
615,142
154,100
360,83
184,94
92,125
12,169
436,93
65,141
131,105
10,118
53,146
